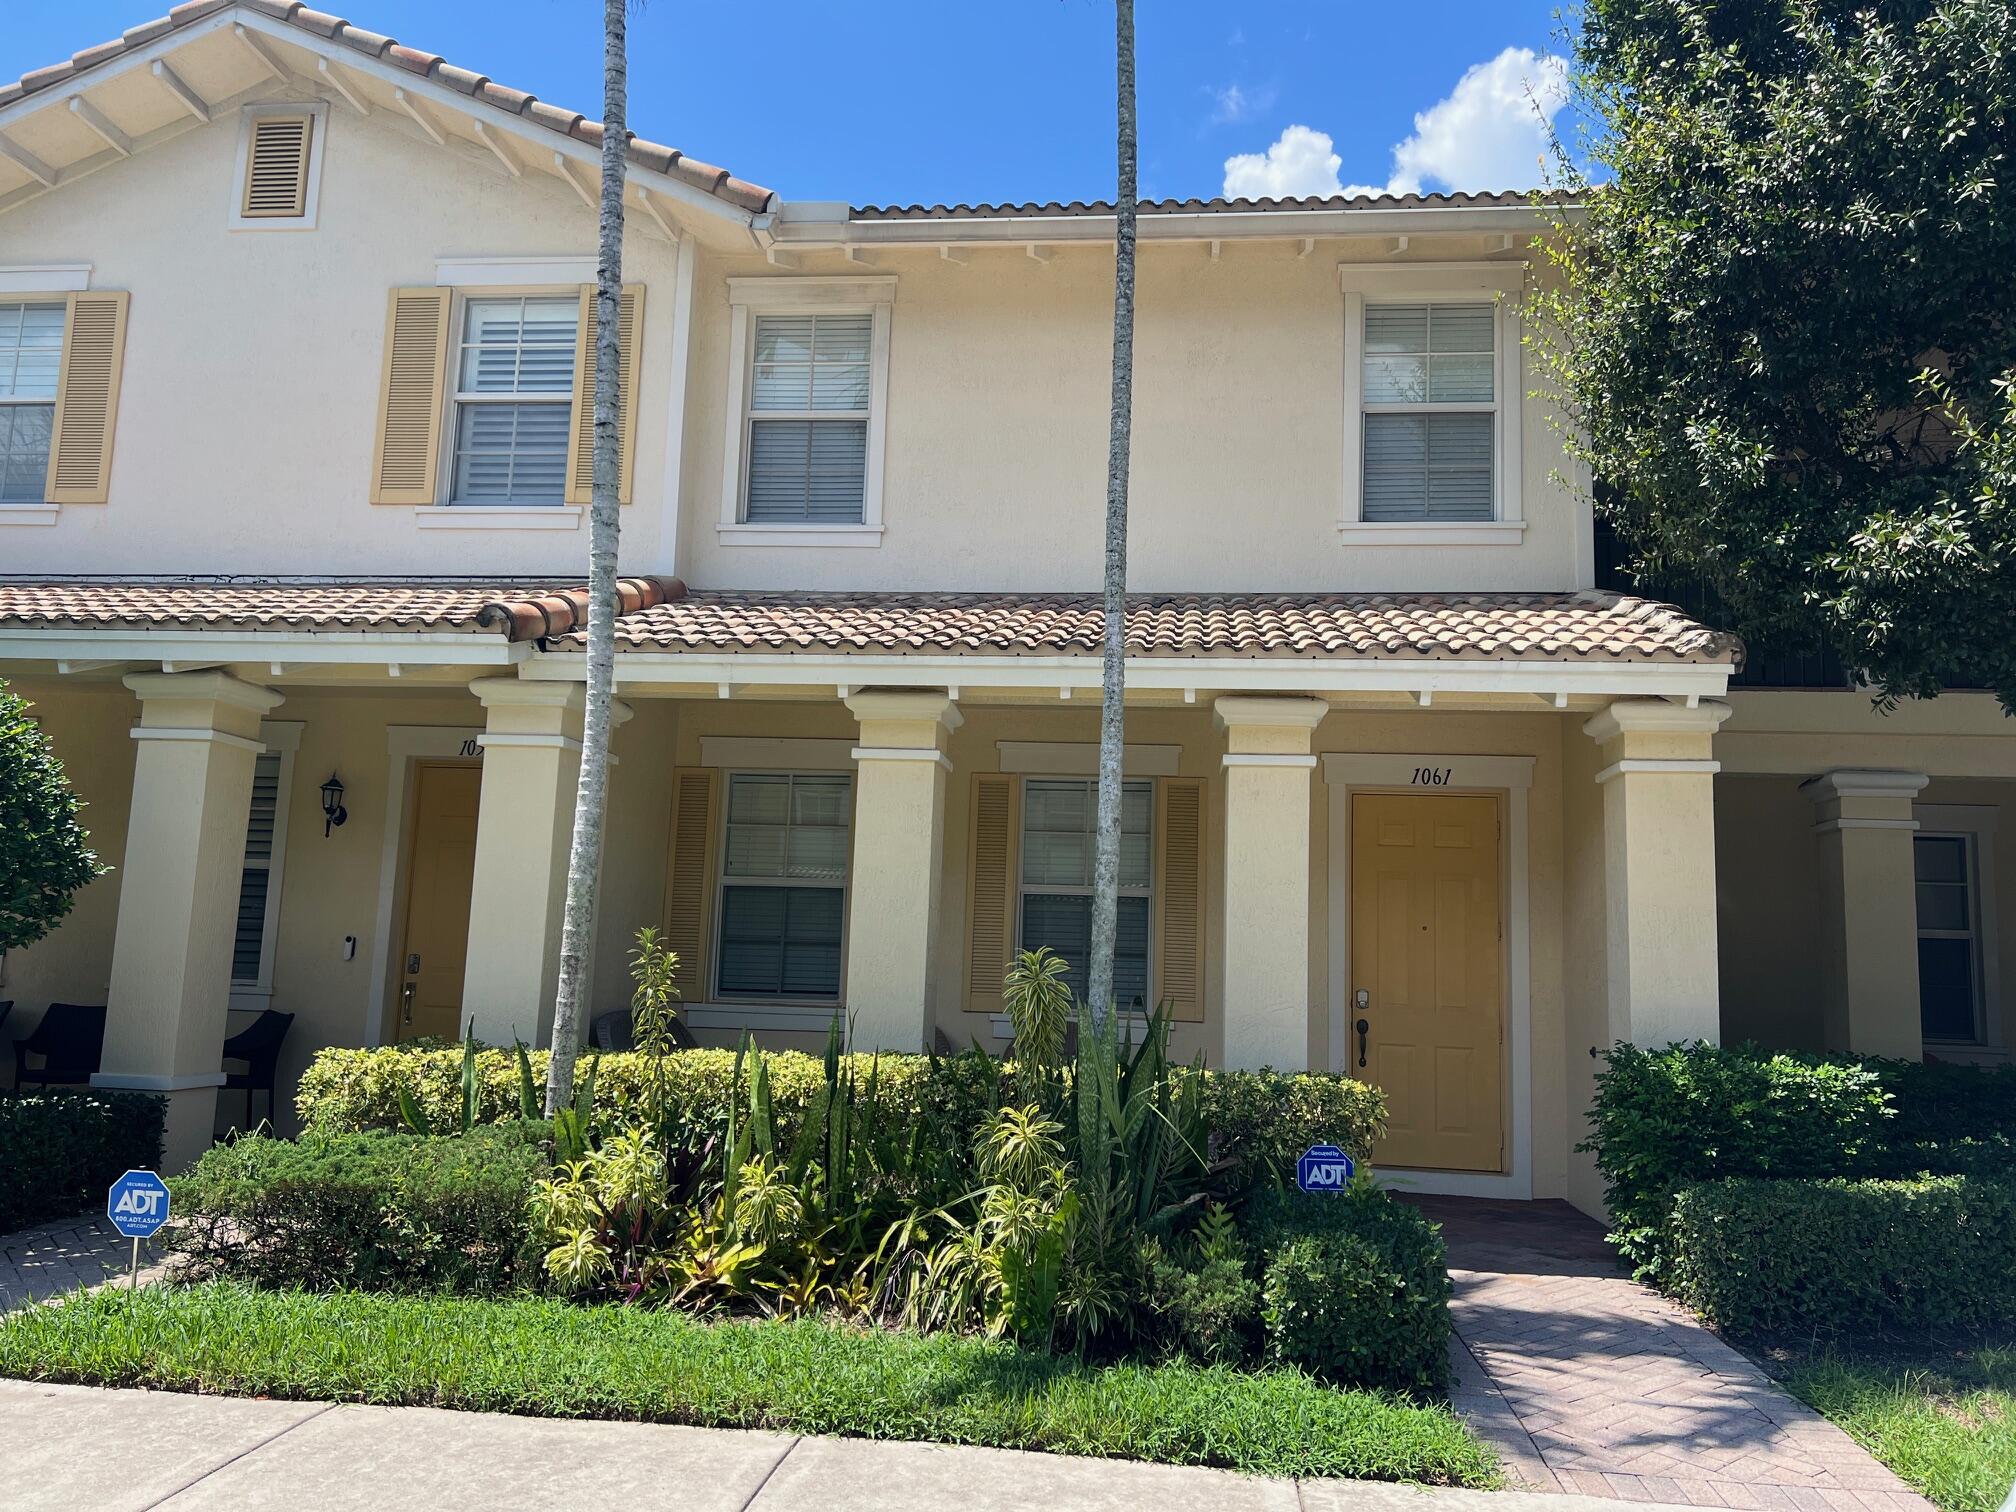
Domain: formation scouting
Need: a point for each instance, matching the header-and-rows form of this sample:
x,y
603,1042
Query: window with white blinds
x,y
1430,412
1058,843
784,885
31,356
251,944
808,420
514,400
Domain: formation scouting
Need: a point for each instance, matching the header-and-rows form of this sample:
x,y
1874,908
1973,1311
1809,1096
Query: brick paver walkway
x,y
46,1262
1590,1383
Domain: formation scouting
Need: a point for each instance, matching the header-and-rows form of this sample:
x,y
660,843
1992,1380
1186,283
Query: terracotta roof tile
x,y
744,195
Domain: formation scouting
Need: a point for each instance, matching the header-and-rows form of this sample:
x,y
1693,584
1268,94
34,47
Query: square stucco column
x,y
178,895
900,771
524,829
1868,910
1658,781
1269,772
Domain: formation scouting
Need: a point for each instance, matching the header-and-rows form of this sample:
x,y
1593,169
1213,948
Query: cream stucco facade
x,y
1669,855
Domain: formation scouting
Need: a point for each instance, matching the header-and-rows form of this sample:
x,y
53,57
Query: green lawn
x,y
552,1359
1943,1420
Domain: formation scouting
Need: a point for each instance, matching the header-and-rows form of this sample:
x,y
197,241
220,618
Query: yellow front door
x,y
437,900
1427,979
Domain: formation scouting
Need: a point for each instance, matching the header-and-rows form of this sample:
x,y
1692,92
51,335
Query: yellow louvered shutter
x,y
991,890
276,166
689,880
581,438
87,398
409,398
1179,898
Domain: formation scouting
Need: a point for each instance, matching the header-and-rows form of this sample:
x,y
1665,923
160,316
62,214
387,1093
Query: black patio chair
x,y
615,1031
70,1040
258,1045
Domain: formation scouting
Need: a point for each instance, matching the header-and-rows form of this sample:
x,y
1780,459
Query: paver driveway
x,y
61,1257
1588,1382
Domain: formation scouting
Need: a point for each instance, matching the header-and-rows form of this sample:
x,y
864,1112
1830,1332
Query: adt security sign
x,y
137,1204
1324,1168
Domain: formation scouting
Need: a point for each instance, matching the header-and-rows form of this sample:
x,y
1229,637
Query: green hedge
x,y
372,1211
1944,1108
1845,1255
1355,1288
1260,1122
60,1150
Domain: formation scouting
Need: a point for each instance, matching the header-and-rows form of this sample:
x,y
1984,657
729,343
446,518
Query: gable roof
x,y
318,29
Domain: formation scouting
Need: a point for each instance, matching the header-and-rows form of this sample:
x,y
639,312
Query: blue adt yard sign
x,y
137,1204
1324,1168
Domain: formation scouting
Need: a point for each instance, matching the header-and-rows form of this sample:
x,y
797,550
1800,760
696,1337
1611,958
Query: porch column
x,y
1868,910
524,828
1658,780
892,895
1268,774
178,895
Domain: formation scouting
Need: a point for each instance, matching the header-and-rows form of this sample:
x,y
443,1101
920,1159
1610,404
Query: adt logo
x,y
137,1204
1324,1168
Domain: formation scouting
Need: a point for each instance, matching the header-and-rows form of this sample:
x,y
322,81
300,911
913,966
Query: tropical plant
x,y
1038,1002
1119,441
655,971
584,855
45,855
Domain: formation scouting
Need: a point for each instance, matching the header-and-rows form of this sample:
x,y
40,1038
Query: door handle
x,y
406,1004
1364,1027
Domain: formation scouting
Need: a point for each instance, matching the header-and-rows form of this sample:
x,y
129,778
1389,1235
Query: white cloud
x,y
1299,163
1489,133
1233,103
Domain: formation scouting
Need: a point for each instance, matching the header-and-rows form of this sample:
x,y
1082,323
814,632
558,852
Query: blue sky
x,y
904,101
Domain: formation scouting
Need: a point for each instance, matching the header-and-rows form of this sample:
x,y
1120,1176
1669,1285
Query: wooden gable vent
x,y
276,166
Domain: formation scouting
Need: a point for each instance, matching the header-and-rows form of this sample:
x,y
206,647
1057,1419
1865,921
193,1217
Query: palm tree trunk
x,y
584,857
1106,855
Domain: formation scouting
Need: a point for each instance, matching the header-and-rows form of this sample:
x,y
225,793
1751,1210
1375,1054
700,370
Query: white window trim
x,y
318,136
1429,284
24,289
450,515
560,272
284,737
1023,888
749,297
722,882
18,280
1974,823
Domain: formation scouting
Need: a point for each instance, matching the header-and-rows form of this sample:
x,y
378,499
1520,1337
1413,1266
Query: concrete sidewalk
x,y
71,1447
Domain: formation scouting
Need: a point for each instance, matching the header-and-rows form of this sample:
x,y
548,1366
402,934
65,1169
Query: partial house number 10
x,y
1433,776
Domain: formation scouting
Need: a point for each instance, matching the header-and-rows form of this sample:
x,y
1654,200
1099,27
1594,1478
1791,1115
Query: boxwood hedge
x,y
60,1149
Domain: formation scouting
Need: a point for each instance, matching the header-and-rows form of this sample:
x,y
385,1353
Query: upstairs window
x,y
1058,824
1430,412
808,420
514,399
784,885
31,356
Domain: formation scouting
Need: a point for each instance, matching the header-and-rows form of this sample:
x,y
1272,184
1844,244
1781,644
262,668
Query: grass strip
x,y
545,1358
1949,1430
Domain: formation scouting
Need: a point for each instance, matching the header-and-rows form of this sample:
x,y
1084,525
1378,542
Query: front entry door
x,y
436,943
1427,979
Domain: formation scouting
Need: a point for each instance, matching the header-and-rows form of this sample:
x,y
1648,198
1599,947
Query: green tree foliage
x,y
45,855
1788,319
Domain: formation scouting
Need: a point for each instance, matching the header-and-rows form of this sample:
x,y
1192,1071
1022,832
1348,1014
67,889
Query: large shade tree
x,y
1789,323
45,855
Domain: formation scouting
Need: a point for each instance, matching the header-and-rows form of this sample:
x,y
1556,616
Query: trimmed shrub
x,y
60,1150
1207,1310
1664,1119
1758,1256
373,1211
1355,1288
1260,1122
1943,1108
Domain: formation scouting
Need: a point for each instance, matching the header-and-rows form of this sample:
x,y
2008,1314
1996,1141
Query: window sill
x,y
1967,1052
800,535
1424,533
28,514
807,1017
498,517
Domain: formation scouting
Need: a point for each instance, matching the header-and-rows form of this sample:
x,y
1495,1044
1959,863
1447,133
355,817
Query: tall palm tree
x,y
584,857
1106,853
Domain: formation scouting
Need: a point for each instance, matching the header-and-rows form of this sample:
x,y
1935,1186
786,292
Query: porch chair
x,y
615,1031
258,1045
70,1039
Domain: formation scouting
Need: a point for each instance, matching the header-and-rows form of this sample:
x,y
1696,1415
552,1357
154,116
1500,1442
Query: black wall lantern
x,y
333,812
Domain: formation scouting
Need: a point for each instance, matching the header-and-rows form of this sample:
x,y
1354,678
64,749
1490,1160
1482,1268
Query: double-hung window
x,y
31,356
1430,406
1058,815
808,420
1949,936
784,885
514,397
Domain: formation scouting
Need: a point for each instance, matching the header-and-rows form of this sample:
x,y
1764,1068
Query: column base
x,y
192,1111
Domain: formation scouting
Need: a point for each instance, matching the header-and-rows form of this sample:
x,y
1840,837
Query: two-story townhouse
x,y
292,424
